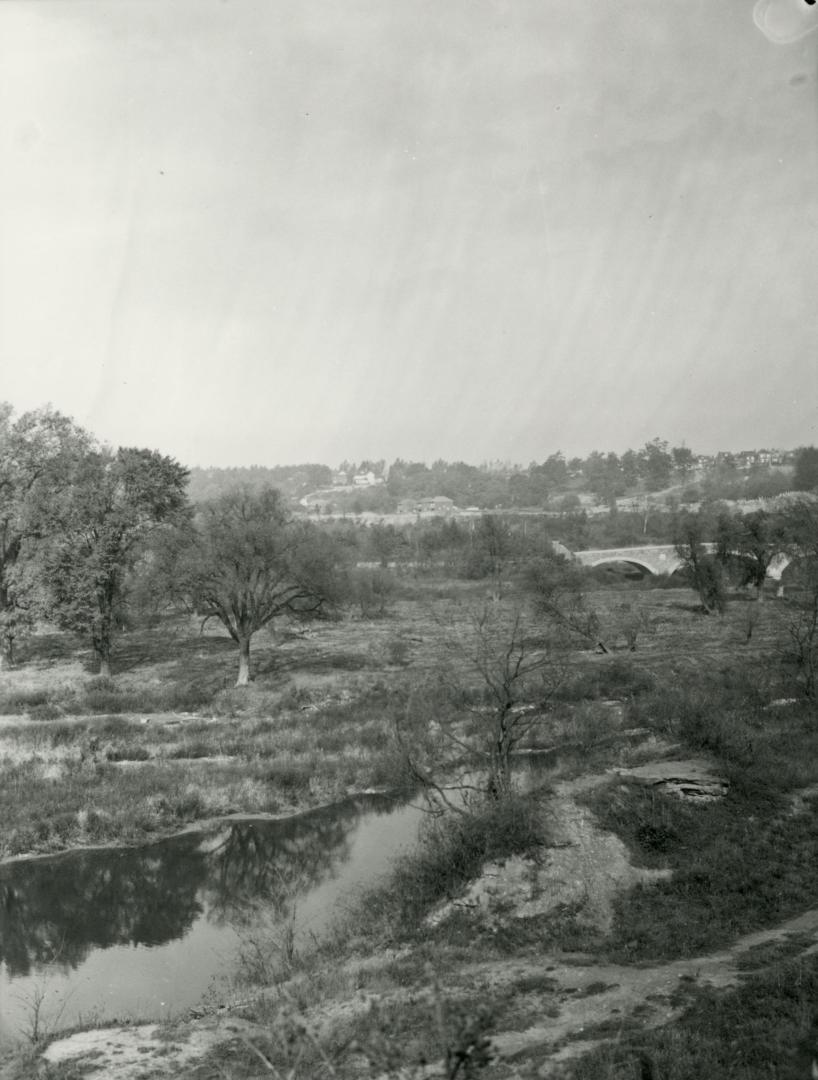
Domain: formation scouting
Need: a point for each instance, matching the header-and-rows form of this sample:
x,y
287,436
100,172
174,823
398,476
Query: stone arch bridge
x,y
659,558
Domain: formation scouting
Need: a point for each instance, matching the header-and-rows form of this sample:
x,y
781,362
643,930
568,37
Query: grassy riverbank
x,y
169,741
740,1007
599,921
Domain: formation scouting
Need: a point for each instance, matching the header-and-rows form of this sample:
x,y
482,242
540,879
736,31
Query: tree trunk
x,y
102,636
244,662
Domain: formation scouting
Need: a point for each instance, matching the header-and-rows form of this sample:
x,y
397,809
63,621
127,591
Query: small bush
x,y
113,725
48,711
105,696
65,733
614,677
22,701
189,806
765,1028
454,848
197,749
290,778
738,865
397,652
127,753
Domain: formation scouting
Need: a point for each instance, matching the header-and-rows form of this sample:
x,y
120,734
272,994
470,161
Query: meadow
x,y
512,984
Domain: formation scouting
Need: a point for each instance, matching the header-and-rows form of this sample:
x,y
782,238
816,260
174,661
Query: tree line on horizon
x,y
656,467
94,539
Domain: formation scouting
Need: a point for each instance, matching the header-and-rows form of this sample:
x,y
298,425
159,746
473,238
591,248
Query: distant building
x,y
365,479
440,504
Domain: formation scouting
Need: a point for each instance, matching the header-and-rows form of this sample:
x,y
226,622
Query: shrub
x,y
290,778
113,725
47,711
22,700
196,749
188,805
65,733
454,847
397,652
127,753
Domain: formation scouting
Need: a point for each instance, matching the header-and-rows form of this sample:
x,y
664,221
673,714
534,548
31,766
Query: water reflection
x,y
55,911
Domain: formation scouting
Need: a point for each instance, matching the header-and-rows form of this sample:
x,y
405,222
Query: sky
x,y
277,231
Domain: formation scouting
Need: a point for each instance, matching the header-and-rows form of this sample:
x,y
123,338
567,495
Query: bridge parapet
x,y
655,558
661,558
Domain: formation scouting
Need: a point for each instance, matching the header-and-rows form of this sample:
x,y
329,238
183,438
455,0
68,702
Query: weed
x,y
451,853
398,652
739,865
127,753
23,701
198,748
66,733
47,711
768,1027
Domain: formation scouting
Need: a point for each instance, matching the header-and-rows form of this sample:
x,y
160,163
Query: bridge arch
x,y
654,559
640,564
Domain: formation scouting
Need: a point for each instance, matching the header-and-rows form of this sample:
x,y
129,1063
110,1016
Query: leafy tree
x,y
683,461
383,542
372,590
604,476
805,477
657,464
492,548
799,526
245,562
117,502
39,455
706,571
631,467
760,538
555,469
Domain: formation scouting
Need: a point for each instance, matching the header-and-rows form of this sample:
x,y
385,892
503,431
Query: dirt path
x,y
587,995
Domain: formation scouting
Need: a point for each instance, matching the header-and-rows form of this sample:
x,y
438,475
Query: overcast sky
x,y
273,231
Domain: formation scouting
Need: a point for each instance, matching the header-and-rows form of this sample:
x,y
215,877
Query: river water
x,y
145,933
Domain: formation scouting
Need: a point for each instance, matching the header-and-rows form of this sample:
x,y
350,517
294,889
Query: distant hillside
x,y
293,480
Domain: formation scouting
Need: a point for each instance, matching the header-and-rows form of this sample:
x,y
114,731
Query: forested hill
x,y
293,480
603,477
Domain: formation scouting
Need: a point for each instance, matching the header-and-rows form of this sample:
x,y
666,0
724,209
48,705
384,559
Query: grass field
x,y
169,741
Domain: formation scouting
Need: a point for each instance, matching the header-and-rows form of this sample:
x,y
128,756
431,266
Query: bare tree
x,y
495,686
557,590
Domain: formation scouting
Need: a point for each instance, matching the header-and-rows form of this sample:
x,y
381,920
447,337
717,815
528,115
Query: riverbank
x,y
525,965
170,741
525,932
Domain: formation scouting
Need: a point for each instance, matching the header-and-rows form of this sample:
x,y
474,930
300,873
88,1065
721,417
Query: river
x,y
145,933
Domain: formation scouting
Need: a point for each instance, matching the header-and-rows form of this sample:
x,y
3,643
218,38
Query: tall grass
x,y
451,852
766,1028
739,865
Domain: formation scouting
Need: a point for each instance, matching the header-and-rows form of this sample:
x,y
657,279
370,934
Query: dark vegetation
x,y
768,1027
555,483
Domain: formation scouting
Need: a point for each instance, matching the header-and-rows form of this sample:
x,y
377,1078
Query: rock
x,y
691,779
